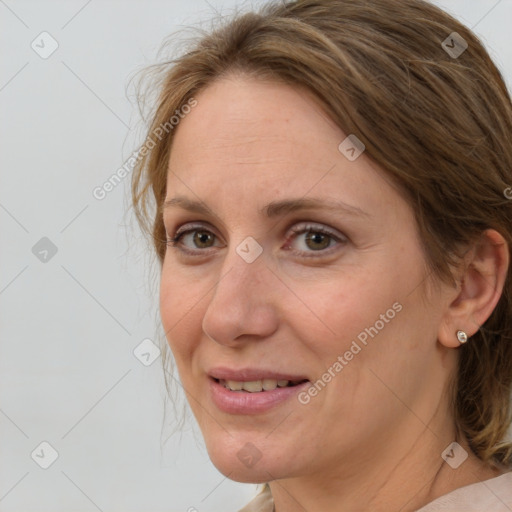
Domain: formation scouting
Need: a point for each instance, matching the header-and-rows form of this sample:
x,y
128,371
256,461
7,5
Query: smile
x,y
252,392
257,386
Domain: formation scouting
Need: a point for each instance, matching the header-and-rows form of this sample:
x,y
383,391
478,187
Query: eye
x,y
200,238
316,239
195,240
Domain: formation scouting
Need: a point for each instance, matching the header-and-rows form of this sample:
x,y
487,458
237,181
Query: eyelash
x,y
174,241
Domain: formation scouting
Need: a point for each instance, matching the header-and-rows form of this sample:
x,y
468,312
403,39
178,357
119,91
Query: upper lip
x,y
251,374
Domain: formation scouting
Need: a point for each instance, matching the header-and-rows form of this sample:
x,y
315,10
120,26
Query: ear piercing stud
x,y
462,337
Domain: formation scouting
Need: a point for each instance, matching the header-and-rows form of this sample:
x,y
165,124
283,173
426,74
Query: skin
x,y
372,438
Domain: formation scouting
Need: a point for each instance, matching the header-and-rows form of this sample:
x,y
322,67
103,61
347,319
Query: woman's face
x,y
298,266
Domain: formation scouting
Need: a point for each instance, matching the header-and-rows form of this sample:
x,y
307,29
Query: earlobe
x,y
449,336
480,288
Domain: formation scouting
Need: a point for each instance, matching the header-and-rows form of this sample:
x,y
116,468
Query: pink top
x,y
494,495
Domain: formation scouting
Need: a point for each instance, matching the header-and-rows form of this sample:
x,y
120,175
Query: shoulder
x,y
261,503
494,495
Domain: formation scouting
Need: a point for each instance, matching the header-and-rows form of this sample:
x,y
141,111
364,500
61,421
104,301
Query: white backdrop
x,y
74,297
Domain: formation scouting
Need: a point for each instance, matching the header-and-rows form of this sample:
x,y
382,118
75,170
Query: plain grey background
x,y
74,290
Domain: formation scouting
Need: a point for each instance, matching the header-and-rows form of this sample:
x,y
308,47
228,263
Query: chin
x,y
247,476
244,463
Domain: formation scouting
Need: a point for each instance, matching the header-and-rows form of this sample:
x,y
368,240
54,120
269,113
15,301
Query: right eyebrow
x,y
189,205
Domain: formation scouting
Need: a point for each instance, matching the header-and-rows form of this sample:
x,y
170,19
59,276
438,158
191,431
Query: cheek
x,y
344,307
368,317
384,336
180,311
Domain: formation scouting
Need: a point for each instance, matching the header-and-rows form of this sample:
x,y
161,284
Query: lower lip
x,y
243,402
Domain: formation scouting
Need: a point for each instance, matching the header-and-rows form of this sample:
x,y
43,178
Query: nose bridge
x,y
244,268
242,300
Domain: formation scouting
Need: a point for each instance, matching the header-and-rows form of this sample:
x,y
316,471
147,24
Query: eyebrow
x,y
274,208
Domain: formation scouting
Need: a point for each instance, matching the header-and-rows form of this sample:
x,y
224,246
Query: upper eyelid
x,y
296,227
176,227
201,224
304,225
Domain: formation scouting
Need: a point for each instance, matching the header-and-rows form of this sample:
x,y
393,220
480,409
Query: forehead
x,y
248,140
246,116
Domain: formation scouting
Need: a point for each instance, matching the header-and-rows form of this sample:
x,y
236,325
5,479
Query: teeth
x,y
269,384
255,386
234,385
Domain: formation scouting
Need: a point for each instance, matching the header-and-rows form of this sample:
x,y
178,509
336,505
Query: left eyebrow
x,y
275,208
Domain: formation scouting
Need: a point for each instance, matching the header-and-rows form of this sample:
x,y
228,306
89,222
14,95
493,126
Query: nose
x,y
243,306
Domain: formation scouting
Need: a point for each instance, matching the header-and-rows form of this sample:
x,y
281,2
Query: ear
x,y
479,288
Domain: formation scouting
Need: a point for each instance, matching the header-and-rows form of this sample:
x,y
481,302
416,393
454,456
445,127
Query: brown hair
x,y
439,126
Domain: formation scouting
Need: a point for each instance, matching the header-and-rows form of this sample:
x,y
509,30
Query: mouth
x,y
250,392
258,386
